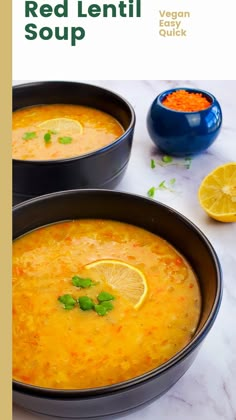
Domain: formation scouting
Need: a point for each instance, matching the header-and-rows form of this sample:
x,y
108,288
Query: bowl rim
x,y
178,357
99,151
210,96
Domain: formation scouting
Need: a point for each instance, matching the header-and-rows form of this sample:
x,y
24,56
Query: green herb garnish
x,y
82,282
162,186
47,137
153,165
167,159
65,140
104,296
151,192
68,301
104,306
85,303
29,136
188,161
100,309
107,304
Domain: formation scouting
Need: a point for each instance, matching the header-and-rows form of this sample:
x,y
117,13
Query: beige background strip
x,y
5,209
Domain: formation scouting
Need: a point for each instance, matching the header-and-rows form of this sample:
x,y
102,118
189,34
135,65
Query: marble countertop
x,y
207,390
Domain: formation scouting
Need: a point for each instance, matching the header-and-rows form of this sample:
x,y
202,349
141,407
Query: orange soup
x,y
97,302
60,131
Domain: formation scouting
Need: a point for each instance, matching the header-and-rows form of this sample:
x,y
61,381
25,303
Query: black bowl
x,y
112,400
103,168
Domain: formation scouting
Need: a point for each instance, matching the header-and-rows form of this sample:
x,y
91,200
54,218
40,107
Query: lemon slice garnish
x,y
128,280
62,125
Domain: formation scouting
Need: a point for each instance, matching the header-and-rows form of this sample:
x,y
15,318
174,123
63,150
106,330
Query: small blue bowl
x,y
181,133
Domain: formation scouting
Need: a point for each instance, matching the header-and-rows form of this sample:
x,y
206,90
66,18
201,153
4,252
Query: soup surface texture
x,y
59,131
60,343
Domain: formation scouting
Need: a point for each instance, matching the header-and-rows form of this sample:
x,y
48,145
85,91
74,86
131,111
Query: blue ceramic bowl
x,y
181,133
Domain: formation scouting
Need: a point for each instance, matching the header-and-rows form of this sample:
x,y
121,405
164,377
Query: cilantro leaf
x,y
172,181
167,159
104,296
100,309
153,165
151,192
47,137
65,140
162,186
29,136
85,303
68,301
81,282
108,305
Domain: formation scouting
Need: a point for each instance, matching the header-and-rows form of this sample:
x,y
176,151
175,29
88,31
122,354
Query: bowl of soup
x,y
184,121
68,135
113,295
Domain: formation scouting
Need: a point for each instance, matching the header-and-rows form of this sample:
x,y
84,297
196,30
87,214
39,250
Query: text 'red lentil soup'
x,y
98,302
47,132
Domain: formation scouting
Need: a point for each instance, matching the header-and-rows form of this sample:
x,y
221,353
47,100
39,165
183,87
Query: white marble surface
x,y
207,391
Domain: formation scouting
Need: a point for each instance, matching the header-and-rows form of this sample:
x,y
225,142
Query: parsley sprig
x,y
169,161
164,185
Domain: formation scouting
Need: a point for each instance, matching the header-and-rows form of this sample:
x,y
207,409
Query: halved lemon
x,y
62,125
125,278
217,193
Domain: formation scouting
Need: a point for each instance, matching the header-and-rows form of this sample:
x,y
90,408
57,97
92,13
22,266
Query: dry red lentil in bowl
x,y
182,100
184,121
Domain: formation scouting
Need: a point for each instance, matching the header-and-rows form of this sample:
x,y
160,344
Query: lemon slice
x,y
217,193
123,277
62,125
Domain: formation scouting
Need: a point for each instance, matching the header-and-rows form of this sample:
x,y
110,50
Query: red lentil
x,y
181,100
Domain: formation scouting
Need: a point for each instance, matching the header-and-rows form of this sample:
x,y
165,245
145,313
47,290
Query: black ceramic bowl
x,y
187,238
102,168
